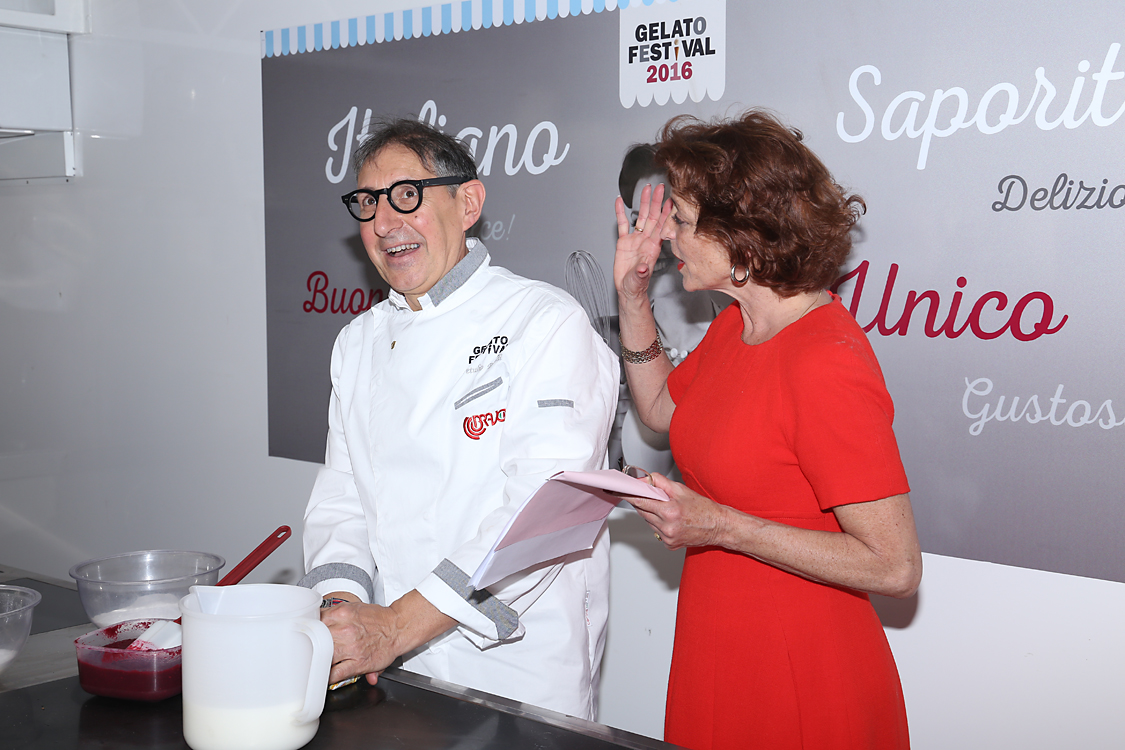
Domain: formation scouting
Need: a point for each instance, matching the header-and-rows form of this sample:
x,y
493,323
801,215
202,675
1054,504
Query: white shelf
x,y
62,16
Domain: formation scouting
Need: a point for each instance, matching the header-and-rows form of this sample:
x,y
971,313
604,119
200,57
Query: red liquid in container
x,y
107,668
120,644
131,684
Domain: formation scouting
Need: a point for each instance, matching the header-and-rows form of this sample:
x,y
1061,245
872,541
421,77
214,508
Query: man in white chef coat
x,y
452,401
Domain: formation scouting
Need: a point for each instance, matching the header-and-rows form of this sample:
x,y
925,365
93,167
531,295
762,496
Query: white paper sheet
x,y
561,517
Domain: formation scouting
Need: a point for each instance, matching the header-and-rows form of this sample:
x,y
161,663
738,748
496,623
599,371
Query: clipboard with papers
x,y
563,516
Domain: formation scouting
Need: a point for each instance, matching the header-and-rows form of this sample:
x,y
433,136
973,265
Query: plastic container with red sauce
x,y
107,668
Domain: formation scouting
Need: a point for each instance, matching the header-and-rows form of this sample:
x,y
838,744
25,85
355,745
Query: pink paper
x,y
563,516
573,498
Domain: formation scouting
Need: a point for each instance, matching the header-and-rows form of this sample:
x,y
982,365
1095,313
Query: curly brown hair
x,y
764,196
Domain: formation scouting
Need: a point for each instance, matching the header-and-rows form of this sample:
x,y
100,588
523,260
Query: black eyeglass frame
x,y
421,185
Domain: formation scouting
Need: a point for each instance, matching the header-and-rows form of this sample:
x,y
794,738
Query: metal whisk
x,y
586,283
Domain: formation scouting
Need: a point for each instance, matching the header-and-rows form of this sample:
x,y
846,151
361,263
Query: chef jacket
x,y
441,423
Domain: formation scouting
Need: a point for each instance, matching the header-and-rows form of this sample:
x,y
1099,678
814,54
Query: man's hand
x,y
368,637
363,639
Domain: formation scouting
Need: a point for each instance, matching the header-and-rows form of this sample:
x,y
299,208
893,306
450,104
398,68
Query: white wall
x,y
133,402
132,374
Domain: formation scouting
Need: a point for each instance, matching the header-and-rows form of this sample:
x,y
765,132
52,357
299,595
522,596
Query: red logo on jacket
x,y
478,423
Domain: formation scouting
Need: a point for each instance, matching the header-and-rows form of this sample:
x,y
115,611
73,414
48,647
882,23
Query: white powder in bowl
x,y
144,607
6,656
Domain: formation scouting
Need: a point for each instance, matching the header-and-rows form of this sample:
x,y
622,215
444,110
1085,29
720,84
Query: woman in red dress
x,y
795,504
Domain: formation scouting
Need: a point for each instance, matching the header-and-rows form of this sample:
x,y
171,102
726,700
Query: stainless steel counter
x,y
43,706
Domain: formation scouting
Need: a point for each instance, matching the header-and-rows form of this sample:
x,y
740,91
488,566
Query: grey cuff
x,y
329,571
482,601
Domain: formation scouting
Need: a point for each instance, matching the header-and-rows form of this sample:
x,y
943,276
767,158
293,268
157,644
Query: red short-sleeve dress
x,y
785,430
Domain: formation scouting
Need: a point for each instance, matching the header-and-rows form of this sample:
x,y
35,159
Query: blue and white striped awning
x,y
429,20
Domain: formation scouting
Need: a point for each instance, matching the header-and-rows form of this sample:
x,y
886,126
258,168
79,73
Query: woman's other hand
x,y
876,552
638,247
685,519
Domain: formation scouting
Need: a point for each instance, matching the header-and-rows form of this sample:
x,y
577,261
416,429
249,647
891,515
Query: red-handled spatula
x,y
168,634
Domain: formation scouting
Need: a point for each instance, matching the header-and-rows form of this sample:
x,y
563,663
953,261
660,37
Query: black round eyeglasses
x,y
405,196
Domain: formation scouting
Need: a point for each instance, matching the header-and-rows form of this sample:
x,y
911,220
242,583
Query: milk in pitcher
x,y
249,728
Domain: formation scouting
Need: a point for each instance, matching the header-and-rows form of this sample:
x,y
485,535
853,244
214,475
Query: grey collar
x,y
460,273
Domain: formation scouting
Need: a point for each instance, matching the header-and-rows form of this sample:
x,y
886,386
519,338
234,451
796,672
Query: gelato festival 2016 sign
x,y
673,51
985,270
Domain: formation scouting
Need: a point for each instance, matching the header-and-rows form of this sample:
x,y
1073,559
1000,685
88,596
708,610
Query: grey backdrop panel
x,y
1034,493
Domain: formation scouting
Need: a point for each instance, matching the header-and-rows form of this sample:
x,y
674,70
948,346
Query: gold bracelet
x,y
654,350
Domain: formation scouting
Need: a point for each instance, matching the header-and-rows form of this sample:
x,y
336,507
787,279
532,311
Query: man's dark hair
x,y
639,161
441,154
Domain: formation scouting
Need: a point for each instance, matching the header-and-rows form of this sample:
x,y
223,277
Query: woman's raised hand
x,y
638,248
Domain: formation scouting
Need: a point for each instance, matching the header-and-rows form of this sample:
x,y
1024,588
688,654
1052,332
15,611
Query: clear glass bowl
x,y
142,585
16,605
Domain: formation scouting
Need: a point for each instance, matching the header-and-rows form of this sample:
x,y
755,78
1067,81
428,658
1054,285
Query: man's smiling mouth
x,y
400,249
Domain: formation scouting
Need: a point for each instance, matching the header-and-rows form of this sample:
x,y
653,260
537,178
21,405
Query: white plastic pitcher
x,y
255,666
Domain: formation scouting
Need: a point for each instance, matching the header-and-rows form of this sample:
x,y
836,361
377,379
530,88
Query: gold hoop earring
x,y
737,281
